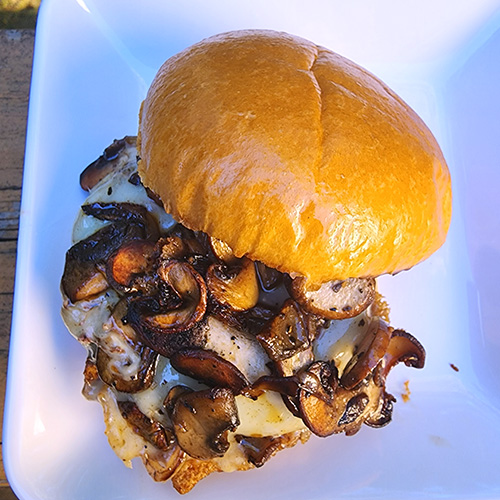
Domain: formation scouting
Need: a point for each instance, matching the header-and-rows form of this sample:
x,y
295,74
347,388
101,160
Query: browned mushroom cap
x,y
171,323
331,409
252,320
150,322
209,368
202,421
195,242
287,386
113,158
82,280
187,288
84,260
367,354
152,431
130,214
316,407
83,276
383,414
290,386
316,379
287,334
236,287
132,258
142,379
403,348
334,299
259,450
173,394
162,461
184,246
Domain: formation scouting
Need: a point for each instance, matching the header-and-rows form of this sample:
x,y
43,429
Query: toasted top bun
x,y
294,156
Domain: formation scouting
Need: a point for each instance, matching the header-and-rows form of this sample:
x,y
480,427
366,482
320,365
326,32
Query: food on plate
x,y
225,283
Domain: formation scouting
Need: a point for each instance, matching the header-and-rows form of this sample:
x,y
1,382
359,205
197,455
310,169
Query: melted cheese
x,y
116,188
339,340
117,341
91,322
243,350
266,416
84,319
122,439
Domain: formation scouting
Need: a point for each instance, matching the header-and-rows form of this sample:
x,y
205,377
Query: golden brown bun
x,y
294,156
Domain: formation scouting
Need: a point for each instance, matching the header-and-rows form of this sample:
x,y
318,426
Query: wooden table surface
x,y
16,53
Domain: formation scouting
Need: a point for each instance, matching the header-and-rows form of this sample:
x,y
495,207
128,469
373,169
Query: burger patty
x,y
203,361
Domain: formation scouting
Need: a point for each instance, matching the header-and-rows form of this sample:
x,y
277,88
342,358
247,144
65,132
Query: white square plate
x,y
94,60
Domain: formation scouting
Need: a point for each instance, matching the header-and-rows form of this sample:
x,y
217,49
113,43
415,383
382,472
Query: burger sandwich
x,y
223,270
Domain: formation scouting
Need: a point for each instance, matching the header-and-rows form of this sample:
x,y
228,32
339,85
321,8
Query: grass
x,y
18,14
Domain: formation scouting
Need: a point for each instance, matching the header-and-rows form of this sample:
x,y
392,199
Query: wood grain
x,y
16,54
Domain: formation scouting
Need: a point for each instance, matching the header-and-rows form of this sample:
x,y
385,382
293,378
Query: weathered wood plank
x,y
16,53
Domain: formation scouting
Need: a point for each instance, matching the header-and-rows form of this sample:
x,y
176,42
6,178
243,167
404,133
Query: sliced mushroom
x,y
367,355
338,409
223,252
209,368
195,242
259,450
317,408
113,158
334,299
152,431
403,348
172,247
82,280
135,217
172,321
289,387
100,245
269,278
173,395
164,457
131,259
252,320
163,331
162,464
287,334
331,409
83,276
185,288
140,380
202,421
286,386
236,287
383,415
354,409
